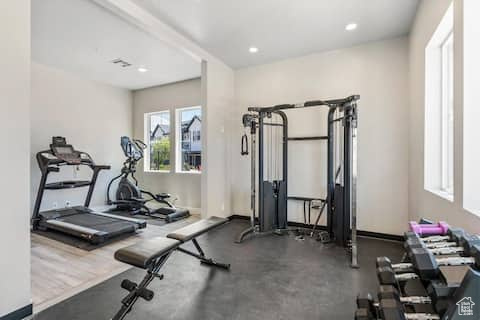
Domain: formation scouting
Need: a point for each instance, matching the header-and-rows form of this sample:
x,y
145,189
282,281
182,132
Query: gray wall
x,y
423,203
92,116
15,131
379,73
184,186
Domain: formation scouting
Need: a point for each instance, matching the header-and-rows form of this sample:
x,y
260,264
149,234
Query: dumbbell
x,y
460,243
369,309
452,234
364,314
447,236
424,264
392,309
440,228
390,292
388,276
427,265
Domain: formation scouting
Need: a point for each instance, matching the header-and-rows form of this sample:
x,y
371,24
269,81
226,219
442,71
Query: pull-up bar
x,y
335,103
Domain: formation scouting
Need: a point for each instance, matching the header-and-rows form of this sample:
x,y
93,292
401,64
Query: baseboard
x,y
362,233
379,235
19,313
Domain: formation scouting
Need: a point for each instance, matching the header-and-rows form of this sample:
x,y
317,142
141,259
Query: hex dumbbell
x,y
392,309
424,265
458,243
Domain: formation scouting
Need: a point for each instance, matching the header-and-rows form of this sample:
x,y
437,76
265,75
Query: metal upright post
x,y
353,185
261,211
253,177
350,223
330,170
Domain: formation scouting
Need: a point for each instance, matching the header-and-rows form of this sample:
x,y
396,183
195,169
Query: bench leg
x,y
201,256
140,291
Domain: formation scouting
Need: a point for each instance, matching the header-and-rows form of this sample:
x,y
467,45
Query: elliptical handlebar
x,y
140,144
133,150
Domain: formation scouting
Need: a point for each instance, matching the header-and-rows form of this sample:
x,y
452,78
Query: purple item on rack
x,y
439,228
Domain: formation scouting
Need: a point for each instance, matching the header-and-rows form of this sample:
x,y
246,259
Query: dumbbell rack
x,y
447,271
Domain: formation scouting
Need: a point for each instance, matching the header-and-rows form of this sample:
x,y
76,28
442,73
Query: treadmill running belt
x,y
112,226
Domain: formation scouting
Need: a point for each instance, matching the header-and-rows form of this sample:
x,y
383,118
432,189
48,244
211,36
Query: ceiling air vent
x,y
121,63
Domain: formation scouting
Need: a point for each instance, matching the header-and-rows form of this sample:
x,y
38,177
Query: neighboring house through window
x,y
189,149
157,137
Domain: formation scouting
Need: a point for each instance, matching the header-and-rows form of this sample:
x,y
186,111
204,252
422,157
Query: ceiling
x,y
81,37
281,28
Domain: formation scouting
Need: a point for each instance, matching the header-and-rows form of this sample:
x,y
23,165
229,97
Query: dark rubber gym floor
x,y
275,277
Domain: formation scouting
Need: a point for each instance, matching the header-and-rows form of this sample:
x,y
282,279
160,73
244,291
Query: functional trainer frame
x,y
340,202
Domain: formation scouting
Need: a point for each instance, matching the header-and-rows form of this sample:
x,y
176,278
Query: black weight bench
x,y
152,254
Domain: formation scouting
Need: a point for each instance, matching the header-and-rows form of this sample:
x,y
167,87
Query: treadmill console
x,y
64,151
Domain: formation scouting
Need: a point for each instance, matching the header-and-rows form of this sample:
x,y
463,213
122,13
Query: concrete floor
x,y
274,277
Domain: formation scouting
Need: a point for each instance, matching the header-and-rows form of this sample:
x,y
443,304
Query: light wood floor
x,y
60,271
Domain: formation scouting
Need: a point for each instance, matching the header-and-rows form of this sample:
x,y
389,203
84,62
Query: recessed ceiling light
x,y
351,26
253,49
142,69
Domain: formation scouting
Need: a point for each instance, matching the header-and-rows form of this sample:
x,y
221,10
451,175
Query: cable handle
x,y
244,150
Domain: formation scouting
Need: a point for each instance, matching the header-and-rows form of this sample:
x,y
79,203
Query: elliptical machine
x,y
129,197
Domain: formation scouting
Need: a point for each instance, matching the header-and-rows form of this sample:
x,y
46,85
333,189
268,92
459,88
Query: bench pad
x,y
195,229
145,252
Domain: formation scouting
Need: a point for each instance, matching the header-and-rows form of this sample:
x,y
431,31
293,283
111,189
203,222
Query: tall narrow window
x,y
157,136
189,146
447,115
439,133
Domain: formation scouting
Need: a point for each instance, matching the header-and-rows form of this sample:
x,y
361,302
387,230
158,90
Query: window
x,y
157,136
447,115
189,148
439,133
196,135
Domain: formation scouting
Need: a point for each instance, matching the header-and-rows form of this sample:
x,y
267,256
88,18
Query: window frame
x,y
439,133
179,140
447,75
147,135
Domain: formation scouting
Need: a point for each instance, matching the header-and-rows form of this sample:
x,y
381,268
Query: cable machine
x,y
270,125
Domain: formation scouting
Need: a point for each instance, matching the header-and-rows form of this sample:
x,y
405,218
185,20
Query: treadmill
x,y
78,221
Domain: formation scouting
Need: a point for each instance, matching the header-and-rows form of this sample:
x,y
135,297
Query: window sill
x,y
157,171
475,212
189,172
442,194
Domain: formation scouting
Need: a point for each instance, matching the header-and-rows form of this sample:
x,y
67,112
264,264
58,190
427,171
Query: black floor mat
x,y
77,242
272,278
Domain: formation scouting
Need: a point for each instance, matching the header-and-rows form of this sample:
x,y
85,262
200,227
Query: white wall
x,y
471,112
15,130
218,97
423,203
184,186
92,116
379,73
